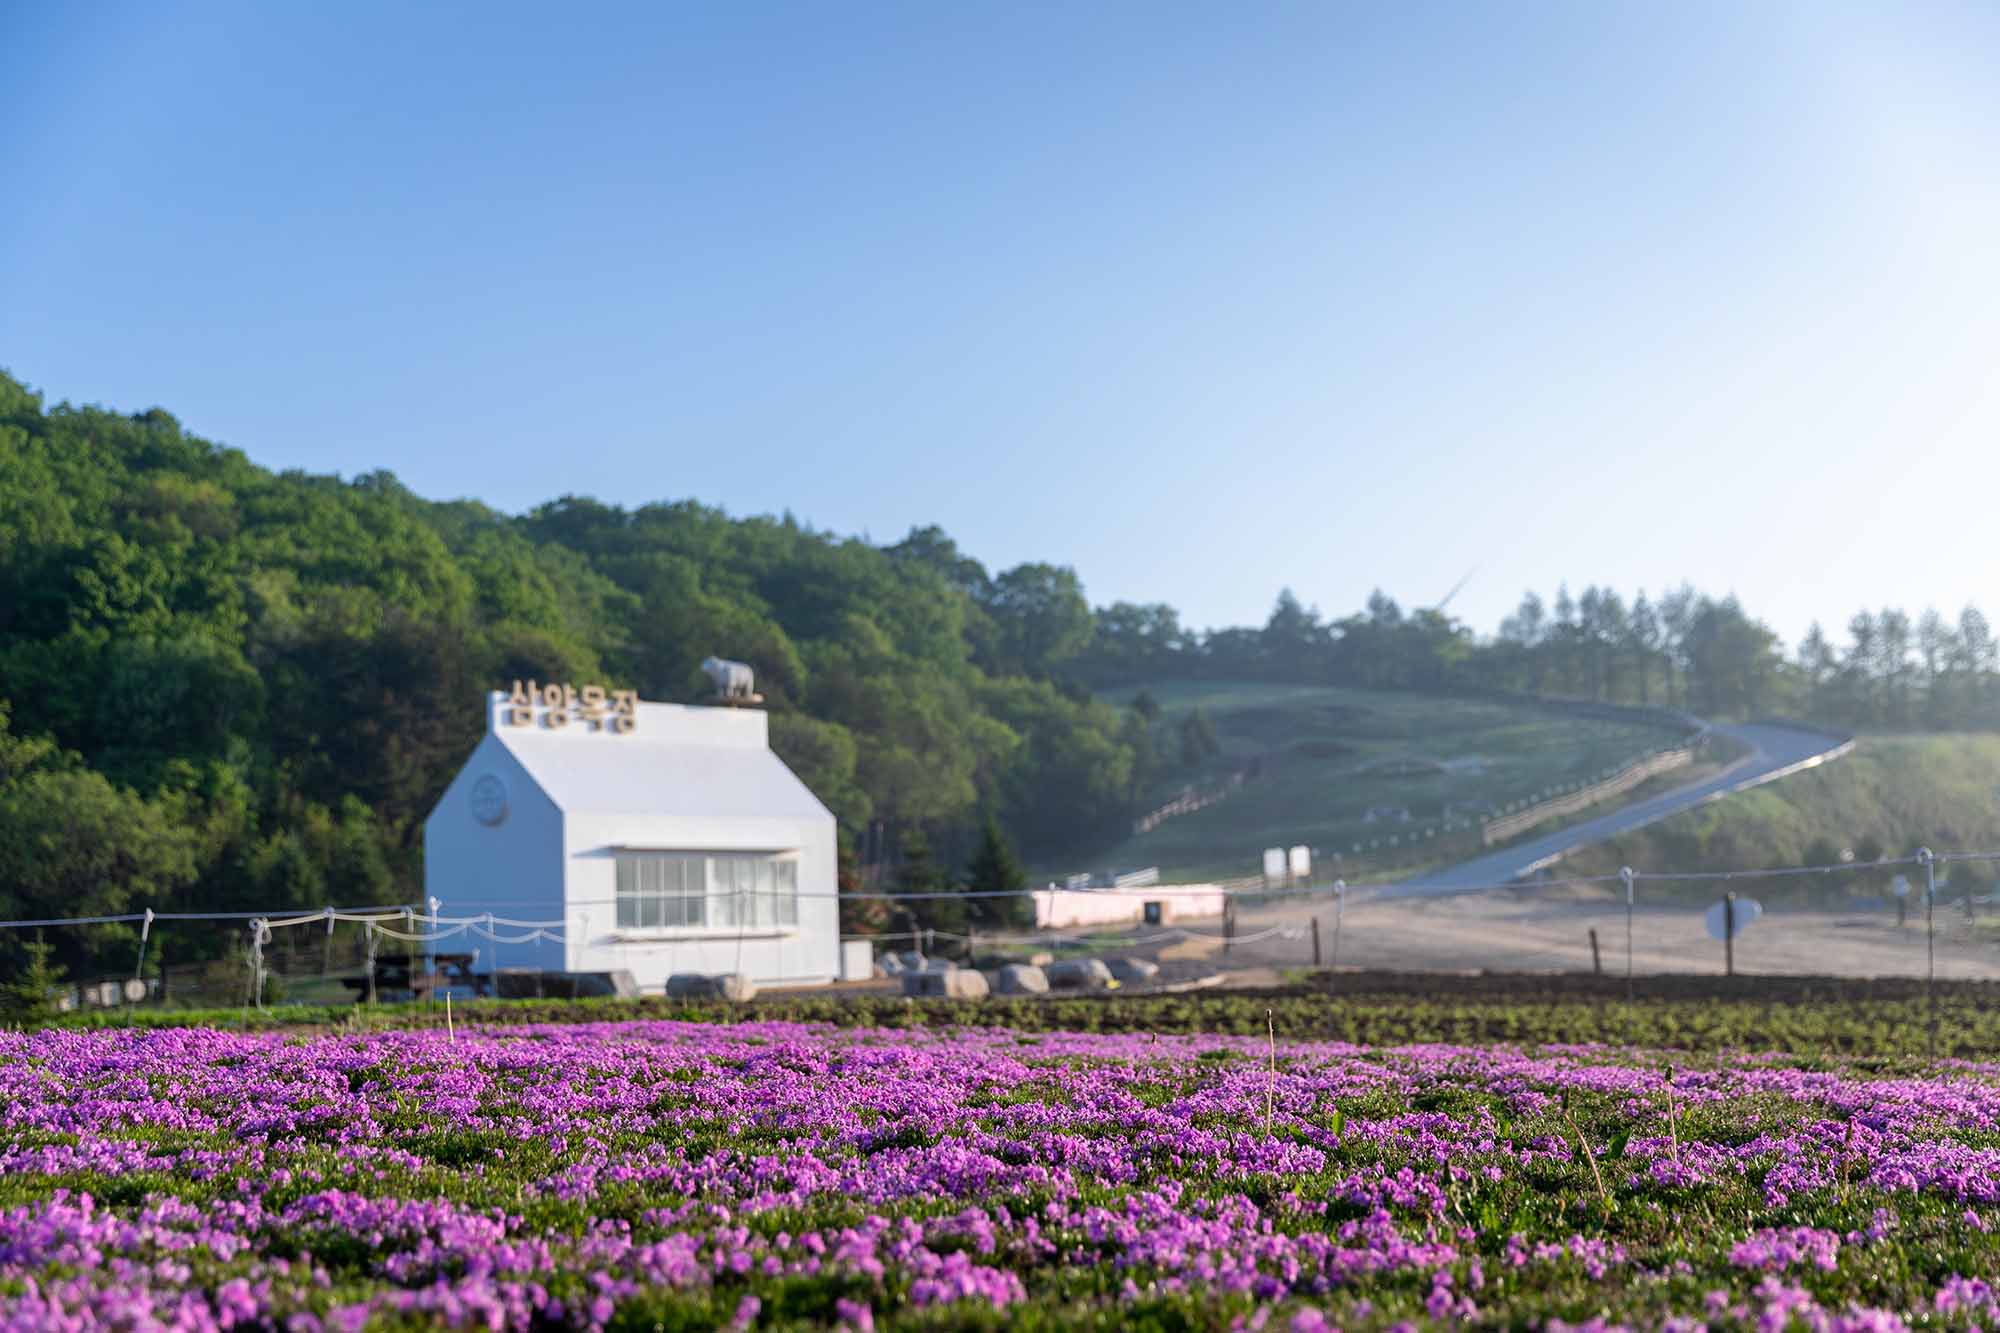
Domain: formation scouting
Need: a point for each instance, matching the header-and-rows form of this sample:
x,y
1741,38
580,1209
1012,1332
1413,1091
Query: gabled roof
x,y
624,776
709,763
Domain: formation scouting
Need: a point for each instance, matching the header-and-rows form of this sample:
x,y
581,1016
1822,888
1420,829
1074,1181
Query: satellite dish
x,y
1747,911
1900,886
135,990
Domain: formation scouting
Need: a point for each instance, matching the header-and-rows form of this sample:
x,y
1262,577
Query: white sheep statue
x,y
733,680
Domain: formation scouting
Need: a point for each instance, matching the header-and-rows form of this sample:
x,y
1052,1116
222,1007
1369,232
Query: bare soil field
x,y
1537,929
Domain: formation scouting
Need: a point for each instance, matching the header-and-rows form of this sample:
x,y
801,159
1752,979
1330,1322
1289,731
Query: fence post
x,y
1339,910
1729,934
1315,941
1929,861
256,989
1625,873
1228,923
145,931
1596,961
430,955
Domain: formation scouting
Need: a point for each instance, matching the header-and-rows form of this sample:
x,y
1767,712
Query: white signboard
x,y
1301,863
1274,867
1747,911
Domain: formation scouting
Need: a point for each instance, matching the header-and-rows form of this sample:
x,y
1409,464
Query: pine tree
x,y
858,915
919,873
28,999
994,870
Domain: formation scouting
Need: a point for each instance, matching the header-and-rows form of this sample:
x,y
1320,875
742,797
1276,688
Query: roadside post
x,y
1625,873
1729,934
1929,862
1315,941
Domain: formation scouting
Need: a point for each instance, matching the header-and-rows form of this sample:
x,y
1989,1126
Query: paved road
x,y
1775,752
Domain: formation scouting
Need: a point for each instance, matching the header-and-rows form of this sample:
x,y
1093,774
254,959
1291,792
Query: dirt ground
x,y
1548,929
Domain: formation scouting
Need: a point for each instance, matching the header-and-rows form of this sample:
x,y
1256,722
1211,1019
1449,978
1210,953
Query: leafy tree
x,y
72,844
1041,618
1293,636
824,755
1132,641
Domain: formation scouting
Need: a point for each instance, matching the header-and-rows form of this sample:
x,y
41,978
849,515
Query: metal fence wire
x,y
1922,916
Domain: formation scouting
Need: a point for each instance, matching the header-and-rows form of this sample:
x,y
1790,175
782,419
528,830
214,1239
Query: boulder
x,y
1080,974
911,959
958,984
888,965
1021,979
1134,971
722,986
1041,959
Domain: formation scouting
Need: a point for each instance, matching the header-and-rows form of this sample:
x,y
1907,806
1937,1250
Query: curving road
x,y
1775,751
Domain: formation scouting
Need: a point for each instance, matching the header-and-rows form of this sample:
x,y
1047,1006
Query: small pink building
x,y
1056,909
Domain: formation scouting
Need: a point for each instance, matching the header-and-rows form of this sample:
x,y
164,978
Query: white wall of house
x,y
806,952
513,868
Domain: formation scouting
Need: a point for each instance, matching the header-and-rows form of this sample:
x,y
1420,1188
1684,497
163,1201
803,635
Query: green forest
x,y
226,687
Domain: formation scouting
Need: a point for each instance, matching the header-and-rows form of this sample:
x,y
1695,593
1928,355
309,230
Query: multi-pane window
x,y
725,890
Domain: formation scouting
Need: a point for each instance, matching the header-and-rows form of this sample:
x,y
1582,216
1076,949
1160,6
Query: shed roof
x,y
710,763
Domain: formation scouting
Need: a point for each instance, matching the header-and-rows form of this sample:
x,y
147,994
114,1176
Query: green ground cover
x,y
1873,1020
1322,757
763,1174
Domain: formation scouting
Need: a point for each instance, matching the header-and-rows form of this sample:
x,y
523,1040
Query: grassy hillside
x,y
1305,764
1892,794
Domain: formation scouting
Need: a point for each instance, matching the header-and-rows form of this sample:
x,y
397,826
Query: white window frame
x,y
665,894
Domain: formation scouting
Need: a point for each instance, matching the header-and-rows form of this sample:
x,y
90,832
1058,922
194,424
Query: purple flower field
x,y
682,1175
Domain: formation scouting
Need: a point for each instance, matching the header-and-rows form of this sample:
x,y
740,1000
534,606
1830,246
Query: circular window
x,y
489,800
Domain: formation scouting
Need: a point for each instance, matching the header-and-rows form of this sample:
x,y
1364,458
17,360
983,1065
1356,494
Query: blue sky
x,y
1203,300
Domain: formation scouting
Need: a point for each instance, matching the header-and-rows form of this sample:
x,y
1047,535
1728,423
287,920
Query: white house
x,y
665,839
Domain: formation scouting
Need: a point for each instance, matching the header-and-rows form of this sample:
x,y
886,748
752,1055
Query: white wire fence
x,y
1844,919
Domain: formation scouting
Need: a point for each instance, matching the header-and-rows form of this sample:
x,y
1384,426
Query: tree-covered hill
x,y
224,686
